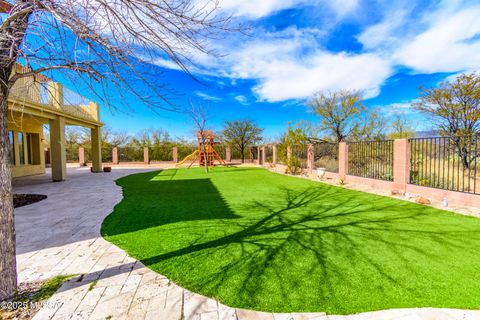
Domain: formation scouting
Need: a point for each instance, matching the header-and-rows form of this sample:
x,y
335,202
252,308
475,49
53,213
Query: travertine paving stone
x,y
61,235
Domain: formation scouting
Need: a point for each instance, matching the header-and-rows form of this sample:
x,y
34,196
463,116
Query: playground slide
x,y
187,158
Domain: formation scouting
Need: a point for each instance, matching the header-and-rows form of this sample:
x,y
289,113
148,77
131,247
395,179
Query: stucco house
x,y
36,101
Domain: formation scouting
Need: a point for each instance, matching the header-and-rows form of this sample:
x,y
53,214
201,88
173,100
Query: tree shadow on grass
x,y
315,249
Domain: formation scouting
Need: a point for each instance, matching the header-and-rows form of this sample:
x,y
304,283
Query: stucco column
x,y
58,156
55,95
115,155
96,138
259,161
342,160
264,158
310,158
228,154
401,164
274,154
175,154
81,156
146,159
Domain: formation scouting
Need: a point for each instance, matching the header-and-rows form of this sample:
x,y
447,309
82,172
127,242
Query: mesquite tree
x,y
454,107
241,133
102,44
339,111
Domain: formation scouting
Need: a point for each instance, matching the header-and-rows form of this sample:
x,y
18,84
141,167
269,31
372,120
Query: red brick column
x,y
175,154
145,155
401,164
81,156
274,154
115,155
264,158
228,154
310,158
342,160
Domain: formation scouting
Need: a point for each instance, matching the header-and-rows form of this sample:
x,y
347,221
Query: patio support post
x,y
81,156
58,154
175,154
258,156
401,164
228,154
96,137
146,160
263,155
274,155
310,159
342,160
115,155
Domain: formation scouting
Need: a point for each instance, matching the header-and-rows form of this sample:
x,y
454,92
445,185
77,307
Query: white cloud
x,y
292,64
403,108
448,45
242,99
290,79
208,97
443,39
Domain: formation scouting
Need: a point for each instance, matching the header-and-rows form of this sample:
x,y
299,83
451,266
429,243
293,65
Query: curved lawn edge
x,y
127,191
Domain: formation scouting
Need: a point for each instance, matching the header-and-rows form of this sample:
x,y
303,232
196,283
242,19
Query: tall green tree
x,y
339,112
454,107
241,133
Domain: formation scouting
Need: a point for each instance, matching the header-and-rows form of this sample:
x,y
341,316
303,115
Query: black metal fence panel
x,y
371,159
449,163
325,155
299,156
130,154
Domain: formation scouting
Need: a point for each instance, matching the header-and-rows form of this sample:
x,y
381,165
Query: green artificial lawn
x,y
259,240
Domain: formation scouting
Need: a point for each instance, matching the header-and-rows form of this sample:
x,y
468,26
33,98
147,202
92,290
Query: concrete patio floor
x,y
61,236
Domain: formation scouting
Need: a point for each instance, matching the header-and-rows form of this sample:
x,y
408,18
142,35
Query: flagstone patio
x,y
61,235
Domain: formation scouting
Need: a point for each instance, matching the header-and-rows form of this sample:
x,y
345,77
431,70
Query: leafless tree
x,y
198,113
103,45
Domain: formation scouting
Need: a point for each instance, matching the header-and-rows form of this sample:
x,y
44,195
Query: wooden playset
x,y
205,152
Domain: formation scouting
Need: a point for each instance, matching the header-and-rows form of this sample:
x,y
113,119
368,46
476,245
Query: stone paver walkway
x,y
61,235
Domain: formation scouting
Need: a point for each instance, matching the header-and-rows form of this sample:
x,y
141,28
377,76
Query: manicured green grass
x,y
259,240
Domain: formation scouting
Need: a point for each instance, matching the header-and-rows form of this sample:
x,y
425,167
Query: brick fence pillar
x,y
228,154
145,155
175,154
264,158
310,158
401,164
274,154
342,160
81,156
115,155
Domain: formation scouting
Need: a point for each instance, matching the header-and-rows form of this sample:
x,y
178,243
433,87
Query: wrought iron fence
x,y
269,154
130,154
371,159
299,156
449,163
325,155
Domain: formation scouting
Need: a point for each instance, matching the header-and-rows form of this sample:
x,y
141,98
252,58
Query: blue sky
x,y
293,48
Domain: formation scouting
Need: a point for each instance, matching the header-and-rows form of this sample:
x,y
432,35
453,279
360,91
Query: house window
x,y
11,152
33,148
29,149
21,149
